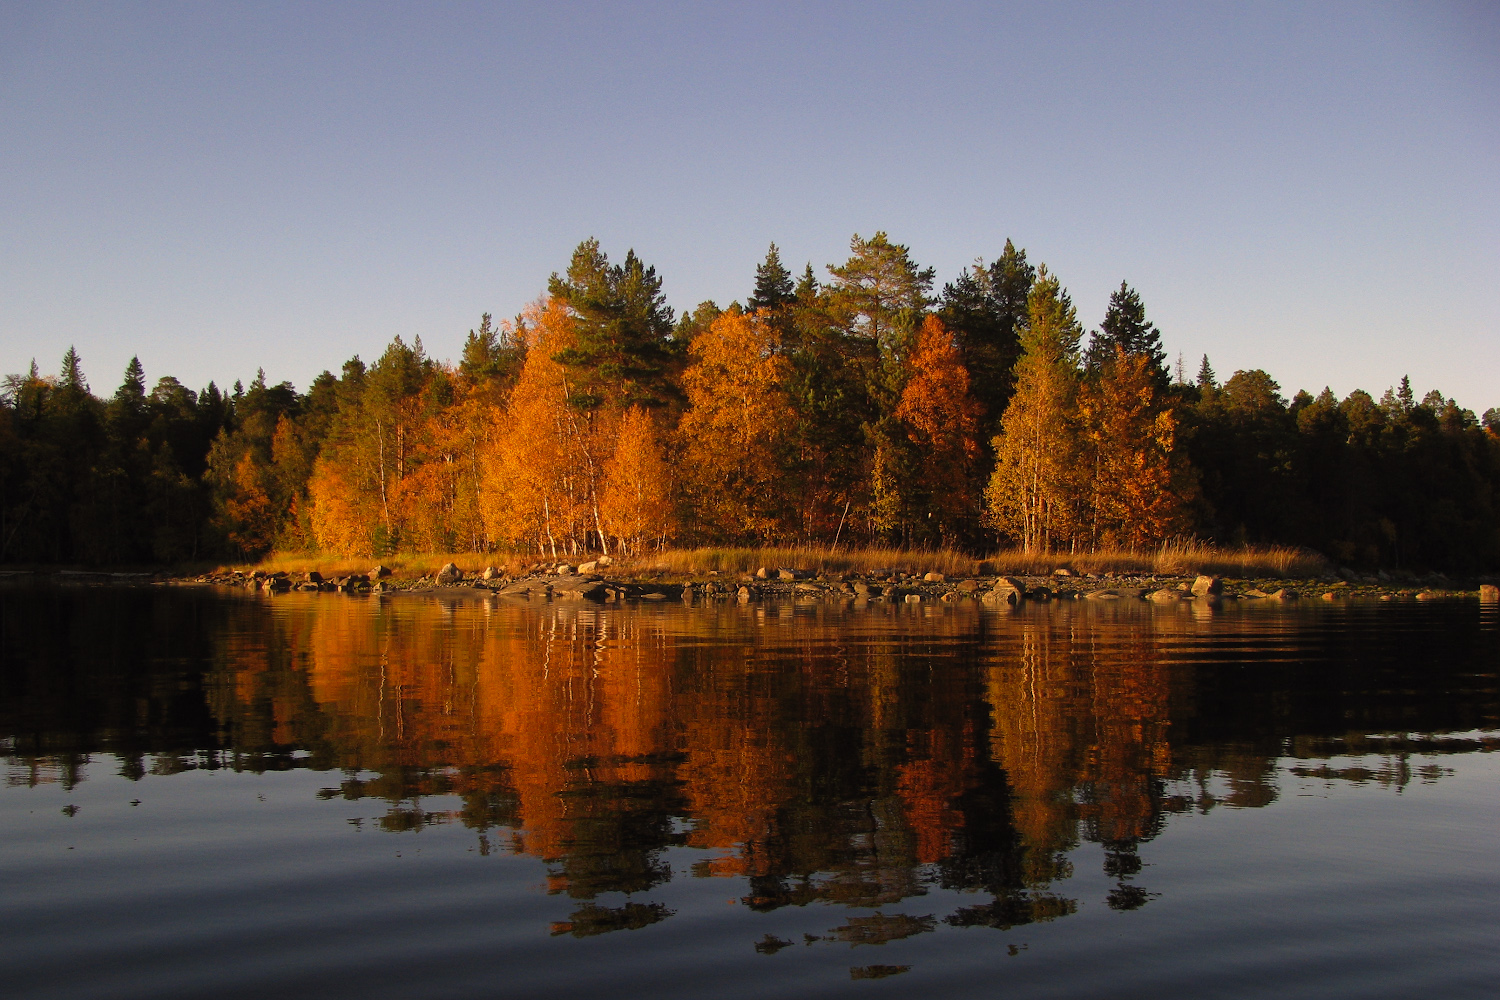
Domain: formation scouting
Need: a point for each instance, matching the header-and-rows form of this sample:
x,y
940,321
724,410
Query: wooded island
x,y
855,409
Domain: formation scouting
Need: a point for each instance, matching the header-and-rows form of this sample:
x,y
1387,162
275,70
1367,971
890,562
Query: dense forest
x,y
856,408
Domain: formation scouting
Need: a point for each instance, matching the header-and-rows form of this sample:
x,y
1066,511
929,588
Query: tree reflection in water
x,y
819,752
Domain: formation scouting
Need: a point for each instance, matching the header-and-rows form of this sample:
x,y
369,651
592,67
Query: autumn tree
x,y
543,469
1138,486
734,434
636,500
1032,494
942,424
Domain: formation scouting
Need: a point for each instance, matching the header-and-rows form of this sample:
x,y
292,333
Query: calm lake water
x,y
228,795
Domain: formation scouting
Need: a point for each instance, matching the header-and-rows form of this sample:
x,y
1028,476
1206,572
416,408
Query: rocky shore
x,y
600,581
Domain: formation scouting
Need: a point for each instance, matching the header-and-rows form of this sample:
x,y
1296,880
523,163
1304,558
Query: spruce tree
x,y
1125,327
773,284
1207,381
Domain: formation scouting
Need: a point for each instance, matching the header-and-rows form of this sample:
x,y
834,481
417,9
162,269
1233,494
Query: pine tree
x,y
773,284
622,353
986,310
881,290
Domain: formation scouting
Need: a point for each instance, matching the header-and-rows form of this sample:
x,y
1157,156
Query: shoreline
x,y
601,585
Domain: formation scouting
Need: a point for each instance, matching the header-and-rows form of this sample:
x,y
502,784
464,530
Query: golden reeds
x,y
1176,558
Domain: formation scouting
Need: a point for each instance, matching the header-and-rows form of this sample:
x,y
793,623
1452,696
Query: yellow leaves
x,y
1138,485
936,404
344,517
636,503
249,513
735,432
942,420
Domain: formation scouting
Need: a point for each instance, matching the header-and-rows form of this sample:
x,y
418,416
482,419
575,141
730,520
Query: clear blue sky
x,y
1309,189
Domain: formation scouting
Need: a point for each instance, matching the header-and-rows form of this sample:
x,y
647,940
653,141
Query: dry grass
x,y
1172,559
1177,558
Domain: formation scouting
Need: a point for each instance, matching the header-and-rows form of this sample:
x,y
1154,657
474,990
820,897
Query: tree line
x,y
862,407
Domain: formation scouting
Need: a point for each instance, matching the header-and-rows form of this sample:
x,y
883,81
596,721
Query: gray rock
x,y
588,567
380,572
563,569
490,573
934,577
762,574
605,561
1062,571
1165,596
1007,590
1208,586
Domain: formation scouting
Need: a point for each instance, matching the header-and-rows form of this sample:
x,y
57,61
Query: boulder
x,y
590,590
867,589
913,598
1007,590
449,574
1039,594
934,577
1165,596
762,574
563,569
745,594
588,567
968,586
1062,571
380,572
1427,595
1208,586
312,576
605,561
1489,594
1282,595
490,573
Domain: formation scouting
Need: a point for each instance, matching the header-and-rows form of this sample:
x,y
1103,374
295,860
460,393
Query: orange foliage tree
x,y
736,432
542,470
636,503
942,421
1139,484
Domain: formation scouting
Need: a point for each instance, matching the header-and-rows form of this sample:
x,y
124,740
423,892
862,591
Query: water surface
x,y
224,794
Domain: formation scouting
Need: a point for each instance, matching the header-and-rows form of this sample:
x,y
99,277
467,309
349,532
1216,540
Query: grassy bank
x,y
1174,559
